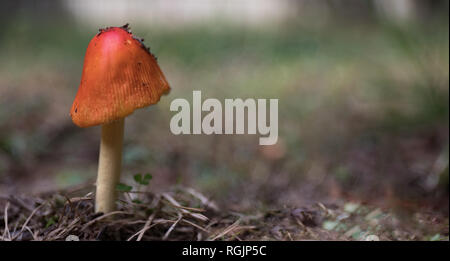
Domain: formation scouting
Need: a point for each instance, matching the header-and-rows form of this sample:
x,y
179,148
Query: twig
x,y
227,230
104,216
27,220
205,201
195,225
31,233
141,232
69,227
180,216
185,211
149,221
17,201
6,224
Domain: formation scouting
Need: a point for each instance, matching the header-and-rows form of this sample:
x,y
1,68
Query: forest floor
x,y
186,214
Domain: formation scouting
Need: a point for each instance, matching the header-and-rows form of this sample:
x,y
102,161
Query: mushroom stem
x,y
109,166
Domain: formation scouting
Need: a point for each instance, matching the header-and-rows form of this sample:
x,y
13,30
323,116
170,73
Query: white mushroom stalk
x,y
109,166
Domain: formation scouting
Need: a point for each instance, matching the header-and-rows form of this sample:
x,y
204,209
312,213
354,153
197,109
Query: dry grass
x,y
181,214
186,214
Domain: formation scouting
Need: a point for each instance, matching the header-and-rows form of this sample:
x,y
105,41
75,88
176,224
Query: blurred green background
x,y
362,86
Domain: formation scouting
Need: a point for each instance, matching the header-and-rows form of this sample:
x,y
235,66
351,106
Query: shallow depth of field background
x,y
362,86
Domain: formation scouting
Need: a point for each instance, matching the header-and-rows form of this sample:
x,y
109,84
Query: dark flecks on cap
x,y
141,41
126,27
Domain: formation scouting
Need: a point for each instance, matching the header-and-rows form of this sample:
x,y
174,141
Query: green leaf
x,y
50,222
143,180
137,201
138,178
123,187
146,179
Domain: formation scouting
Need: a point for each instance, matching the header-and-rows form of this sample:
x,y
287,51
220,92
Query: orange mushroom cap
x,y
119,76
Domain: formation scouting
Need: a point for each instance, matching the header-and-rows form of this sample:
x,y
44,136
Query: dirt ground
x,y
186,214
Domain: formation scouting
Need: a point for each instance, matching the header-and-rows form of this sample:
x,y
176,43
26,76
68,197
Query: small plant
x,y
123,187
51,221
141,180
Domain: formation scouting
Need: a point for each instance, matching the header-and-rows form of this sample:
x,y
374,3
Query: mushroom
x,y
119,76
